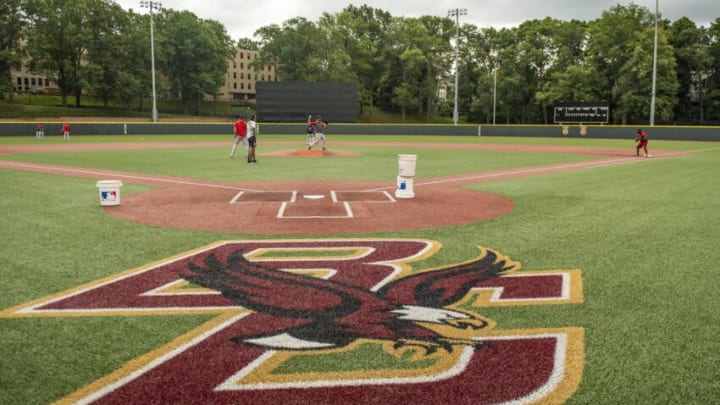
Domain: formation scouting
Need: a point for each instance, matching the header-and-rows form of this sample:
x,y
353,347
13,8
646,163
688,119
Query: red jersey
x,y
66,127
316,125
240,128
39,127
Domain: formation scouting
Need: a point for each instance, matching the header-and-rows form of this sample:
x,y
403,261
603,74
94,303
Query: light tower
x,y
456,13
152,5
654,70
494,55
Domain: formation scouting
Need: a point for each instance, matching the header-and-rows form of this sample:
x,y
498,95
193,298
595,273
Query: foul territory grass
x,y
644,235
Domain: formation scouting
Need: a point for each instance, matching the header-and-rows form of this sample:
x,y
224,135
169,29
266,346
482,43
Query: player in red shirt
x,y
66,132
642,142
240,136
40,131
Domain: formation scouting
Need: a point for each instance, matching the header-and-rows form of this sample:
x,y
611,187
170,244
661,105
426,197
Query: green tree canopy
x,y
193,55
12,25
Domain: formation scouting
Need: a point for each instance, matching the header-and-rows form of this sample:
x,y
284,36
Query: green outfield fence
x,y
690,133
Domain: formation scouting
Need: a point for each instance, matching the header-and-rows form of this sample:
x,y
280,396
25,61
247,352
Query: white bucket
x,y
406,164
404,188
109,191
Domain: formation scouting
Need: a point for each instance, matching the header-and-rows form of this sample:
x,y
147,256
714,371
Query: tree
x,y
193,55
539,63
58,37
407,93
247,43
135,79
332,55
562,74
108,52
294,48
620,50
435,45
478,67
570,84
12,26
512,76
694,70
417,60
405,80
634,85
714,73
364,33
220,50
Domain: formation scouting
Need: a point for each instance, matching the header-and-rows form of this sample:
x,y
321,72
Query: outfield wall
x,y
226,128
687,133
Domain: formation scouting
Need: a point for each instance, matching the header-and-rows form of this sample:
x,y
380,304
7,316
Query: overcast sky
x,y
241,19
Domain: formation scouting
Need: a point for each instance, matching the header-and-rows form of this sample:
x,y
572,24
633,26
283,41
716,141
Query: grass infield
x,y
645,236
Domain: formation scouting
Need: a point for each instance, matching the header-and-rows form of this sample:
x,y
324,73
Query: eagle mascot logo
x,y
317,314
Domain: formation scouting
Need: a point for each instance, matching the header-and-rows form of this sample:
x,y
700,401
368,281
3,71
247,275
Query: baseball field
x,y
523,271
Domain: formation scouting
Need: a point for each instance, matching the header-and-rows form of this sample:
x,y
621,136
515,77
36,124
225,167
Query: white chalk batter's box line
x,y
237,199
348,213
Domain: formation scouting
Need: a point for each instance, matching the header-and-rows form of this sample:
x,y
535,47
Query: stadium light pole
x,y
456,13
494,54
152,5
654,71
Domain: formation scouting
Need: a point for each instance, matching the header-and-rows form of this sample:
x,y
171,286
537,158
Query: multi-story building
x,y
25,81
34,83
241,76
239,84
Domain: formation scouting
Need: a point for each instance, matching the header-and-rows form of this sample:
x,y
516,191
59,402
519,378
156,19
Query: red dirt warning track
x,y
307,207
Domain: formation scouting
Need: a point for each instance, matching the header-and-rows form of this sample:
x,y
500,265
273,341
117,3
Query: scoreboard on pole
x,y
582,113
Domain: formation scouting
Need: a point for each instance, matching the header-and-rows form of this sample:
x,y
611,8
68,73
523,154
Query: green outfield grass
x,y
645,236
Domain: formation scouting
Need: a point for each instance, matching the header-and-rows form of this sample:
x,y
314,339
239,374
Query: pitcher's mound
x,y
311,153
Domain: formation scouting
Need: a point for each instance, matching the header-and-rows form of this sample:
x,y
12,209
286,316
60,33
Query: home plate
x,y
313,196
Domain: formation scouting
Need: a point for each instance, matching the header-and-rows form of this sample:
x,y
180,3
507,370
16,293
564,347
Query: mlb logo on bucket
x,y
403,185
108,195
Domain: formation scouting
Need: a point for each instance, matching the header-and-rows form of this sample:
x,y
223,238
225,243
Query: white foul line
x,y
586,164
125,176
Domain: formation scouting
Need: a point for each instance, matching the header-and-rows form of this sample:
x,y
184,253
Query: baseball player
x,y
240,137
66,131
642,142
310,132
251,139
318,126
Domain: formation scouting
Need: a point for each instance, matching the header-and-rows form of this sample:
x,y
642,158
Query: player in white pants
x,y
240,127
310,130
40,131
318,127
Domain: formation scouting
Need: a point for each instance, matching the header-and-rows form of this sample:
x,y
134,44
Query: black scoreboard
x,y
293,101
582,113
